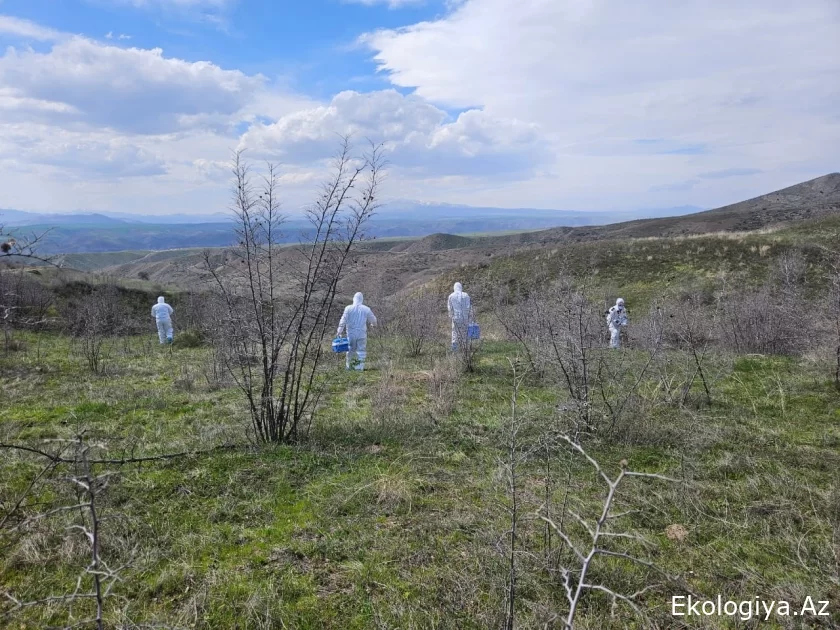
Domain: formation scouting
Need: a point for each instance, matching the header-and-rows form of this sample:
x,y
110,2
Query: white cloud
x,y
27,30
130,89
391,4
553,103
77,155
752,85
418,136
177,4
94,125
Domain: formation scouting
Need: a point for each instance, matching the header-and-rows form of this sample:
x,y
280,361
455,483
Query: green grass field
x,y
394,513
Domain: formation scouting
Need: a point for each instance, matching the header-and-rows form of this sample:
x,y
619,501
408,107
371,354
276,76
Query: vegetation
x,y
387,518
547,482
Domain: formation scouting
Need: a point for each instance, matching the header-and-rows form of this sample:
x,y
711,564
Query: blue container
x,y
473,331
341,344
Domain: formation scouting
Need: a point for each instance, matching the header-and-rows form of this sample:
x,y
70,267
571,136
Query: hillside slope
x,y
807,200
407,262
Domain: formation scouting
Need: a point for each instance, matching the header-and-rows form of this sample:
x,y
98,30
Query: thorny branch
x,y
97,580
576,580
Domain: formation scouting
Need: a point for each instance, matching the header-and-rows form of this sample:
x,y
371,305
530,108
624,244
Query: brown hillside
x,y
387,266
807,200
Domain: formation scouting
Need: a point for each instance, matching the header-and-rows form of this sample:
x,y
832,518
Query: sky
x,y
138,105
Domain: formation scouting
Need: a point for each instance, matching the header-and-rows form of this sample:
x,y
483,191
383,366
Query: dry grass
x,y
442,385
725,236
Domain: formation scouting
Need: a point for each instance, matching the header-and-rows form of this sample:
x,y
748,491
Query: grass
x,y
392,513
645,268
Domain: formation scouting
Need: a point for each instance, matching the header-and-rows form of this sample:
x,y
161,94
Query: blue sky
x,y
136,105
309,45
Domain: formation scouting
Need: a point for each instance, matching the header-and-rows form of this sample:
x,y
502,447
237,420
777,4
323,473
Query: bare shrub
x,y
561,341
278,301
689,327
517,319
95,322
768,320
24,303
416,320
15,250
197,311
560,329
468,348
582,544
517,449
467,352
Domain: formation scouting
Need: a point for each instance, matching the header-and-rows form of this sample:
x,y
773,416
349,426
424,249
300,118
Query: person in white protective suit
x,y
355,319
616,320
460,312
162,313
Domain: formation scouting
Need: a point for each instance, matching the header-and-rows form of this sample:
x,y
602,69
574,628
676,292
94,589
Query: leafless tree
x,y
278,300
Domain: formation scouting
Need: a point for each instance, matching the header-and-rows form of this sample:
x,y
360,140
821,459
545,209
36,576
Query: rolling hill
x,y
73,233
811,199
388,265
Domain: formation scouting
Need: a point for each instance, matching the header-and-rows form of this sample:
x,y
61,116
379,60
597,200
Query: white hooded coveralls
x,y
460,312
355,319
162,313
616,319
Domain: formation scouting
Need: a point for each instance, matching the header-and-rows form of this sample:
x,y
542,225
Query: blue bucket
x,y
341,344
473,331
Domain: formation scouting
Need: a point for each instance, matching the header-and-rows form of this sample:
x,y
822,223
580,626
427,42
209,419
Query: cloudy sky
x,y
136,105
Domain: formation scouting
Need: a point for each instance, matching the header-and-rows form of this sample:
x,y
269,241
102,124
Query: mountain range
x,y
80,232
413,260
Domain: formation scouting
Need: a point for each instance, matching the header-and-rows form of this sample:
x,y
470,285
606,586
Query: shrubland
x,y
543,481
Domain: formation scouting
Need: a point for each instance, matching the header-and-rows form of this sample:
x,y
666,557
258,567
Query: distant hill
x,y
168,219
438,242
112,232
803,201
385,266
811,199
19,218
444,225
